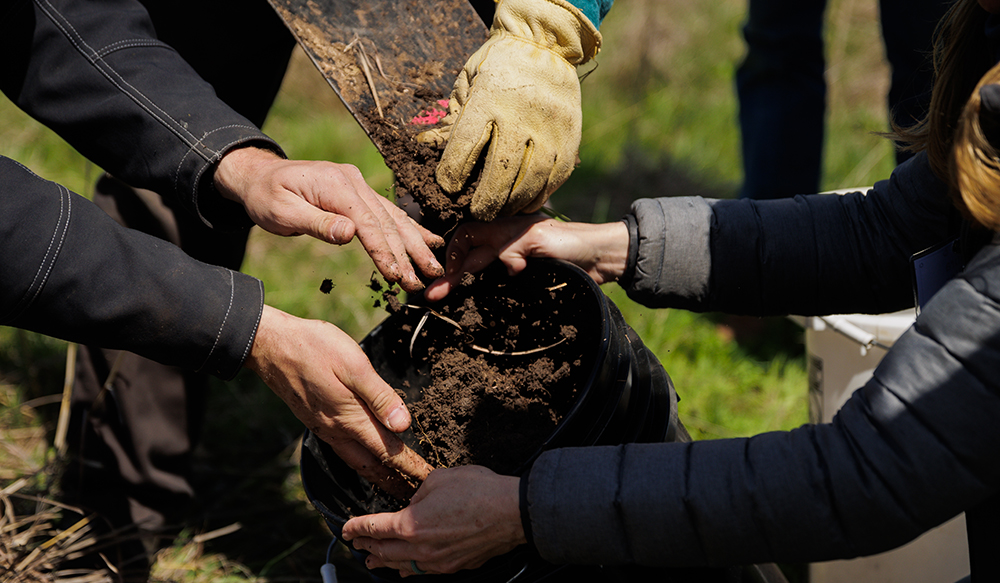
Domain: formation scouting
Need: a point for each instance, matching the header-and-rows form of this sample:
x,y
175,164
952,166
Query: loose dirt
x,y
489,373
413,163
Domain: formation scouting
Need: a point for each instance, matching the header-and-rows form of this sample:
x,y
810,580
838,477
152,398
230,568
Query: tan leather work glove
x,y
520,94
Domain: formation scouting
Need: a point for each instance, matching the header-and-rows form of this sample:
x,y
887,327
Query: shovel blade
x,y
389,61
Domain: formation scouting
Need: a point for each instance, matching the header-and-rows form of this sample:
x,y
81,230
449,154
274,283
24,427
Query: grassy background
x,y
659,120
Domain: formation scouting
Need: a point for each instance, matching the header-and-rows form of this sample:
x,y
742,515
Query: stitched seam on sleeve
x,y
51,253
260,314
620,505
217,156
225,319
130,44
112,76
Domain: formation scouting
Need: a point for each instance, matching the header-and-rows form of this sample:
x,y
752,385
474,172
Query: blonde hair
x,y
975,163
956,149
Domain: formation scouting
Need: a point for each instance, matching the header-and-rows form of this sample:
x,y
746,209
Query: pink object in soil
x,y
429,118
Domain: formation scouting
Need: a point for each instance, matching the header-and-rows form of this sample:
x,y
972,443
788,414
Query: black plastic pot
x,y
621,393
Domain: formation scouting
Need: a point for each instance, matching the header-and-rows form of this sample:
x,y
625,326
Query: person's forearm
x,y
71,272
818,254
595,10
96,74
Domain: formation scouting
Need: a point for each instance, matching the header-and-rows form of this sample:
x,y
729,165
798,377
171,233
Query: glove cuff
x,y
554,24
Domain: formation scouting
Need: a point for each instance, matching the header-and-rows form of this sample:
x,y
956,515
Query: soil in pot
x,y
488,374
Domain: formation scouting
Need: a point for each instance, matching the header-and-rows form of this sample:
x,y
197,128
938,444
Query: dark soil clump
x,y
480,407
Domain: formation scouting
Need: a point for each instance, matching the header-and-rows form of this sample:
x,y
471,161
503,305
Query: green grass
x,y
659,119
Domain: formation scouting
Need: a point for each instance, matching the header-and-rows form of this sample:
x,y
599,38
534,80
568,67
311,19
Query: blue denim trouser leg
x,y
908,33
782,98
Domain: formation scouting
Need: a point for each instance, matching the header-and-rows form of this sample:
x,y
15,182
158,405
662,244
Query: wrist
x,y
613,241
555,24
235,171
260,352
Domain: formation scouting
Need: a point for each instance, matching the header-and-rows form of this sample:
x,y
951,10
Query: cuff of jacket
x,y
238,330
633,251
673,258
212,208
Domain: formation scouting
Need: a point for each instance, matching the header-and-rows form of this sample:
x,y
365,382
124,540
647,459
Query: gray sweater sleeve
x,y
673,260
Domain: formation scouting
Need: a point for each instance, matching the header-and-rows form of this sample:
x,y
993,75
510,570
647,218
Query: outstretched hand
x,y
599,249
333,203
329,384
458,519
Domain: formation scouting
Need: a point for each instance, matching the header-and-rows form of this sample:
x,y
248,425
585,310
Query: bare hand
x,y
458,519
329,384
600,250
333,203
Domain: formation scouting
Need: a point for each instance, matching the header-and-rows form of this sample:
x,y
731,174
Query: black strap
x,y
983,526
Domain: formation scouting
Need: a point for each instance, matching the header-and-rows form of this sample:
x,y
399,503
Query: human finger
x,y
418,241
390,416
399,474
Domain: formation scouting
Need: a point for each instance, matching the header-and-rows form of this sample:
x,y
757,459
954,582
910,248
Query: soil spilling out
x,y
414,164
489,374
390,73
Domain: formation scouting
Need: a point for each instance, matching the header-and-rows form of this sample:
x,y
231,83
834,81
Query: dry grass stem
x,y
33,548
359,49
430,312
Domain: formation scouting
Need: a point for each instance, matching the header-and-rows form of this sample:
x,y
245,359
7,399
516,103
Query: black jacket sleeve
x,y
913,447
95,73
808,255
69,271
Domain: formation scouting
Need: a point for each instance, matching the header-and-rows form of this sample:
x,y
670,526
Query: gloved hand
x,y
520,94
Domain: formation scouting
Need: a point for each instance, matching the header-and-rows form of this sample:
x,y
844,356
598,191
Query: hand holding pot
x,y
458,519
599,249
331,202
325,379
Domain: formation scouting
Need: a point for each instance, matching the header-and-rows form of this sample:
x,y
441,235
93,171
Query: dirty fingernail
x,y
397,419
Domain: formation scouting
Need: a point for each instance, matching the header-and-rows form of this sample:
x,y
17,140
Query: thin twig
x,y
416,330
518,353
67,393
351,44
430,311
200,538
359,49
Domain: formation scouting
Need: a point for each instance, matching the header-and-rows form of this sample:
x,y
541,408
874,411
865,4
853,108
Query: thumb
x,y
436,137
470,135
375,526
323,225
384,402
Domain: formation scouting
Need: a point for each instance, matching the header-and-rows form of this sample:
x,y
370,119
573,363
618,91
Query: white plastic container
x,y
842,353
